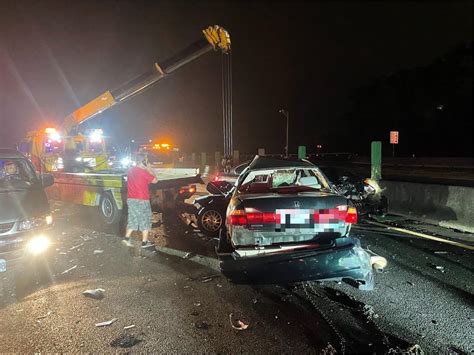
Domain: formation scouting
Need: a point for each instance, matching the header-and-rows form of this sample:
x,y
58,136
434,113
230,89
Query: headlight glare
x,y
38,245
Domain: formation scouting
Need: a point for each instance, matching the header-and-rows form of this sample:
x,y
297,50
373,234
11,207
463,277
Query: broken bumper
x,y
346,259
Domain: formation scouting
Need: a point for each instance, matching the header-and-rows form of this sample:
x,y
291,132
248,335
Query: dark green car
x,y
286,218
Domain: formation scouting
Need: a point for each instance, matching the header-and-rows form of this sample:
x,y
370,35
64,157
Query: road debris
x,y
205,279
328,350
189,255
437,267
70,269
241,325
412,350
97,294
98,251
106,323
410,283
441,252
129,326
125,341
45,315
85,238
197,304
76,246
201,325
369,312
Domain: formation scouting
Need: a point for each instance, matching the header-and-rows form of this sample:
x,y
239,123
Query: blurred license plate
x,y
3,265
299,217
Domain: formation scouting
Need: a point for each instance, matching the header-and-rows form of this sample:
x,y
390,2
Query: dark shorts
x,y
139,215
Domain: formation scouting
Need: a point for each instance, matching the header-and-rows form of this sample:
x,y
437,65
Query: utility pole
x,y
287,115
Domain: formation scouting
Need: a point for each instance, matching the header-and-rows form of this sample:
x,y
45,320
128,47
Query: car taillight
x,y
252,216
346,214
188,189
237,218
351,216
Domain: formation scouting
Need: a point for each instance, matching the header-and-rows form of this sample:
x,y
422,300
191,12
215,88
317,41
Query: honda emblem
x,y
297,204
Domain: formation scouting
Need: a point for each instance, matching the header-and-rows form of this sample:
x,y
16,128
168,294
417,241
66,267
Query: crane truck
x,y
78,159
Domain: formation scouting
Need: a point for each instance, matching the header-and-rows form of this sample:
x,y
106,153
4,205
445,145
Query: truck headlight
x,y
126,162
38,245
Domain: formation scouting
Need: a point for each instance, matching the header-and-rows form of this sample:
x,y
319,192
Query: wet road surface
x,y
183,305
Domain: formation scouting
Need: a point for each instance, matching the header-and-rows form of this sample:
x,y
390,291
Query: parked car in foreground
x,y
25,216
285,214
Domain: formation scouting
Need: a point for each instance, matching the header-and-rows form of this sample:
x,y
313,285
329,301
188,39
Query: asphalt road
x,y
183,305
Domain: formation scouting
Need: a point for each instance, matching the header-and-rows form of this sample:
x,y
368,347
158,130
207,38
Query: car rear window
x,y
283,180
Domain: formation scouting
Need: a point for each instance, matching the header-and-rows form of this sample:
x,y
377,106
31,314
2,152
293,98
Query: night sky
x,y
306,57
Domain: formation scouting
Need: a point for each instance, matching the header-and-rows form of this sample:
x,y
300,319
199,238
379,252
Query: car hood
x,y
22,204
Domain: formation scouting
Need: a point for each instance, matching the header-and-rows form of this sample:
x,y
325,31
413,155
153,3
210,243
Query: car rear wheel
x,y
210,221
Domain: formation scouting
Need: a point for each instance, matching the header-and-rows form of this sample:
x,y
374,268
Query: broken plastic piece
x,y
45,315
241,325
70,269
97,294
188,255
98,251
129,326
76,246
106,323
378,262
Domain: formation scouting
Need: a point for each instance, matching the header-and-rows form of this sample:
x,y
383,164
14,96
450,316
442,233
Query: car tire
x,y
210,221
108,209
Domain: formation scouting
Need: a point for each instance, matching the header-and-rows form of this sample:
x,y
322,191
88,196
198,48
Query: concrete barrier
x,y
447,206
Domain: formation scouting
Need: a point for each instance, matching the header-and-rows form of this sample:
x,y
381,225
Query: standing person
x,y
138,200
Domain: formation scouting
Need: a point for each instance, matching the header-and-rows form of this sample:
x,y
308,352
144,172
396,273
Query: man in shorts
x,y
139,208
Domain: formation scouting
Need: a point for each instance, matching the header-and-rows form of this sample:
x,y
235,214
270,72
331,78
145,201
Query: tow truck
x,y
78,159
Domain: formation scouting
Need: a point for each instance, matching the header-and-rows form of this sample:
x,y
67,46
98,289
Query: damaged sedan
x,y
285,219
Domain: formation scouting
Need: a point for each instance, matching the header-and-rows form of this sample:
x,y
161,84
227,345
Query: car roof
x,y
7,153
262,162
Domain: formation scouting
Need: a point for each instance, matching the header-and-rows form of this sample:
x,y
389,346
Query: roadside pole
x,y
302,152
376,160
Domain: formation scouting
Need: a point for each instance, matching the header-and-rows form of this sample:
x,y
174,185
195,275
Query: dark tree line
x,y
430,106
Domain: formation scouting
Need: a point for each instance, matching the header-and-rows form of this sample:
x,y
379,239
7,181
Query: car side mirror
x,y
47,180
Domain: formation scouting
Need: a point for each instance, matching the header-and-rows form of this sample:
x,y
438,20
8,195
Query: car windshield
x,y
283,180
16,174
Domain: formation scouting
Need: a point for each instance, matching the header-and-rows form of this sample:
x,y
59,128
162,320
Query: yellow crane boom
x,y
215,38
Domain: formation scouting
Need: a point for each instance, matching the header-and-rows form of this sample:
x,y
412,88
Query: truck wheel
x,y
108,209
209,221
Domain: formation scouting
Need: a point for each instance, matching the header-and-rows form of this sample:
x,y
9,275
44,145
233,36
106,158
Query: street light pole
x,y
287,115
